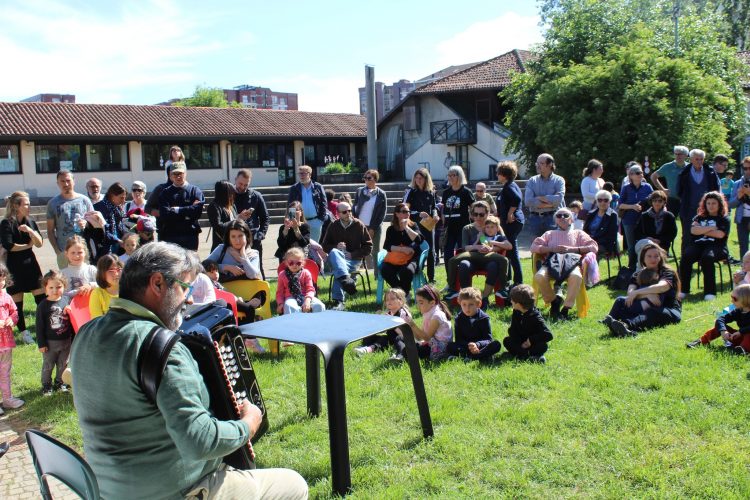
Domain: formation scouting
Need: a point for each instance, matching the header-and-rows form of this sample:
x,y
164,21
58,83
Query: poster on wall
x,y
66,165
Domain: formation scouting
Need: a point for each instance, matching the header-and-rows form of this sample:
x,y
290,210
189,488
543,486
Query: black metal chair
x,y
362,275
720,263
54,459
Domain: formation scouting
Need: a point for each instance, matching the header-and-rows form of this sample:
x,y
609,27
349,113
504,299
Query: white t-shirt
x,y
77,276
203,290
365,213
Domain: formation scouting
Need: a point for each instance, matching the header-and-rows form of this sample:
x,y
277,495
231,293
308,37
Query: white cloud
x,y
54,47
331,94
487,39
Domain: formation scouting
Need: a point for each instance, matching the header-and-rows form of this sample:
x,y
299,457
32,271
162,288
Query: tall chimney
x,y
372,118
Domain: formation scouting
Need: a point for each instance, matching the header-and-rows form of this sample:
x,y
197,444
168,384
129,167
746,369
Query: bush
x,y
334,168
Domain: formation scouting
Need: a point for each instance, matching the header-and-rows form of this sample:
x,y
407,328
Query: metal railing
x,y
453,132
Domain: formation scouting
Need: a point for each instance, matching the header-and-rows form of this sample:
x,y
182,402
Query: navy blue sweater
x,y
473,329
735,316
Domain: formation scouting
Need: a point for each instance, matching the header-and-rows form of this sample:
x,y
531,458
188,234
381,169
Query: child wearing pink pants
x,y
8,319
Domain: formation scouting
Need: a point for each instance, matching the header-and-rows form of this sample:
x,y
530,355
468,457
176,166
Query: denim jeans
x,y
539,224
340,266
743,233
511,232
316,226
629,231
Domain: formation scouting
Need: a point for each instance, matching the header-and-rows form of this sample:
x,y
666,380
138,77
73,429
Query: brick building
x,y
250,96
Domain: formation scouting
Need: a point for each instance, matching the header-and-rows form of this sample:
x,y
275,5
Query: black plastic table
x,y
330,332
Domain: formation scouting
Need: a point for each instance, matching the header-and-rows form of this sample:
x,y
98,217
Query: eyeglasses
x,y
603,200
636,173
734,298
137,190
745,168
185,286
368,178
291,263
478,214
344,211
115,270
303,173
452,175
403,211
563,216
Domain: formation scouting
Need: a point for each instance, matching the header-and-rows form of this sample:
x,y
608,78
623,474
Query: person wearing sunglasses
x,y
736,340
602,223
633,198
657,224
420,196
178,432
545,193
457,200
402,240
693,182
347,241
138,194
370,205
570,245
740,200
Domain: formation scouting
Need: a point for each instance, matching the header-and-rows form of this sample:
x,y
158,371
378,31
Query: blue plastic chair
x,y
53,458
419,279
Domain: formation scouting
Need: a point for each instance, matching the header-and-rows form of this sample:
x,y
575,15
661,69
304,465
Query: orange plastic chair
x,y
230,299
79,311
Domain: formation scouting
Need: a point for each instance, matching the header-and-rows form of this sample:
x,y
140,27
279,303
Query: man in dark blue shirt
x,y
180,207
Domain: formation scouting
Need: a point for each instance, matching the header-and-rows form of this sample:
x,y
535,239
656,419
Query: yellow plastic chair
x,y
246,289
582,300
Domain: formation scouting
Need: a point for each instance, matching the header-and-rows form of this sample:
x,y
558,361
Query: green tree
x,y
206,97
570,103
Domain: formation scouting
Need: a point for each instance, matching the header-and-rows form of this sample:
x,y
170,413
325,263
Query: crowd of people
x,y
96,236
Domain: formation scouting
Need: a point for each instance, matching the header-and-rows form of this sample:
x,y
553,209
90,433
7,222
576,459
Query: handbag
x,y
397,258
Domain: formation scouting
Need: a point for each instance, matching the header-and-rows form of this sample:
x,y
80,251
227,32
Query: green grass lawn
x,y
605,417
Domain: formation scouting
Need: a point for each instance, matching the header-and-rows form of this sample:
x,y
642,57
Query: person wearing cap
x,y
180,208
669,172
633,198
138,193
544,194
692,183
572,245
145,228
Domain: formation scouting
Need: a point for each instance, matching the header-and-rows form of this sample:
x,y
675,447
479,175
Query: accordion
x,y
217,345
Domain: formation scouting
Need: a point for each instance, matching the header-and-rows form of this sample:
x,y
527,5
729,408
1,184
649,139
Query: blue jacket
x,y
683,186
735,202
606,234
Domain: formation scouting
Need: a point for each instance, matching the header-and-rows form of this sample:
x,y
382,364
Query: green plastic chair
x,y
53,458
417,281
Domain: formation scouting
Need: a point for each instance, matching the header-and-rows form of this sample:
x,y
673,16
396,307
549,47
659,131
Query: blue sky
x,y
148,51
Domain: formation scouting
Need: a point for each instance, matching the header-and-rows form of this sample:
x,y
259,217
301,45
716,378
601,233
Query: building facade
x,y
66,98
387,97
250,96
454,120
126,143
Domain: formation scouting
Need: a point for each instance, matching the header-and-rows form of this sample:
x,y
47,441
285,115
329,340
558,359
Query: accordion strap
x,y
152,359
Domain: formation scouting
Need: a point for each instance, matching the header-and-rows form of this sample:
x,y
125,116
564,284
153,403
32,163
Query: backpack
x,y
622,280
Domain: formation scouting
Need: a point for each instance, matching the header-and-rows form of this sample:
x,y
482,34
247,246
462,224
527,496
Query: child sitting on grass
x,y
296,291
130,243
8,319
736,339
395,305
645,278
79,274
436,331
743,275
108,272
528,334
54,332
473,331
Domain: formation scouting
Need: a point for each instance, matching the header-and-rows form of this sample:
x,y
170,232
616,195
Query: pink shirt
x,y
571,238
7,310
444,334
305,283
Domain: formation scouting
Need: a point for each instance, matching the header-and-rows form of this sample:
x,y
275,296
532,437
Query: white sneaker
x,y
709,297
1,411
362,350
26,336
13,403
682,296
339,307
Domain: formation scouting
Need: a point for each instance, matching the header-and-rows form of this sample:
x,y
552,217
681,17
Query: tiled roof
x,y
490,74
34,120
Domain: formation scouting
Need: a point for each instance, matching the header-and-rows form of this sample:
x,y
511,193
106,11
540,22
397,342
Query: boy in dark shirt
x,y
528,334
53,331
472,329
737,340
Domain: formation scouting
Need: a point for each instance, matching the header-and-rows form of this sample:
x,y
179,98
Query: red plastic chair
x,y
79,311
230,299
499,301
310,265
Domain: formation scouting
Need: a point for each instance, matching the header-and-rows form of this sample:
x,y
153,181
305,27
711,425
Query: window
x,y
245,155
197,155
107,157
10,162
50,158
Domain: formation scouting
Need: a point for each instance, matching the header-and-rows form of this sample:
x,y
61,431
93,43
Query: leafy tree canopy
x,y
206,97
607,84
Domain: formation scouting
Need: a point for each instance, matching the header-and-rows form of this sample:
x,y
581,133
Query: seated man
x,y
172,448
571,244
346,241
